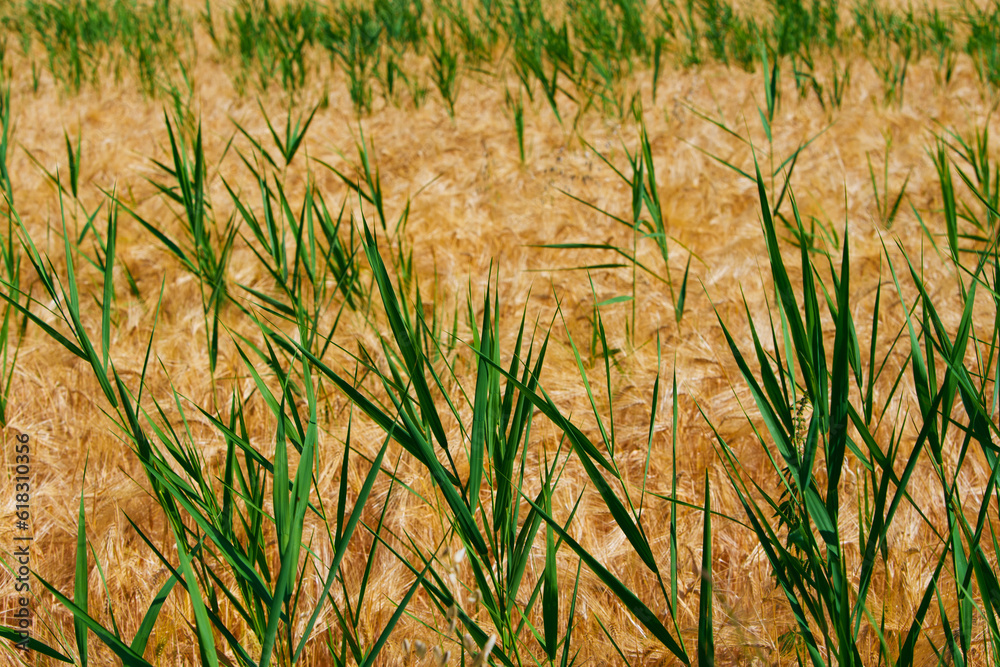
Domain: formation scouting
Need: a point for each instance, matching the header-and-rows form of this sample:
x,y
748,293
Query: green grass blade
x,y
33,644
109,288
379,416
458,506
767,411
404,339
906,653
673,488
839,385
550,589
621,516
126,654
74,163
618,649
291,540
783,284
706,633
682,293
153,613
42,324
481,408
206,640
572,616
80,581
162,238
297,135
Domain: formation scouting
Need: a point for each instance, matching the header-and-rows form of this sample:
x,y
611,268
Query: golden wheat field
x,y
476,218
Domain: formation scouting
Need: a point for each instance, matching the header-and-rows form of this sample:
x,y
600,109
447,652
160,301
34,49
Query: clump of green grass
x,y
886,211
218,521
503,400
828,87
269,41
516,107
208,246
585,53
355,43
817,424
445,68
646,222
318,269
85,40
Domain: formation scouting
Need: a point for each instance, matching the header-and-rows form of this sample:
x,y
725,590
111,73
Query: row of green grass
x,y
576,56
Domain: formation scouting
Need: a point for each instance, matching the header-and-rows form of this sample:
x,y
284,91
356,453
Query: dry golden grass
x,y
476,205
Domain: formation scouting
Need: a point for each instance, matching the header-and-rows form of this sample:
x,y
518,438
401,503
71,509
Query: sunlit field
x,y
499,332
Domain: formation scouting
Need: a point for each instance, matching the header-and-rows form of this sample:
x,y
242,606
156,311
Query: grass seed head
x,y
483,656
803,413
441,658
472,600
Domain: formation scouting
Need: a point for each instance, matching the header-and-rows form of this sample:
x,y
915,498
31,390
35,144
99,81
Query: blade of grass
x,y
706,633
81,579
